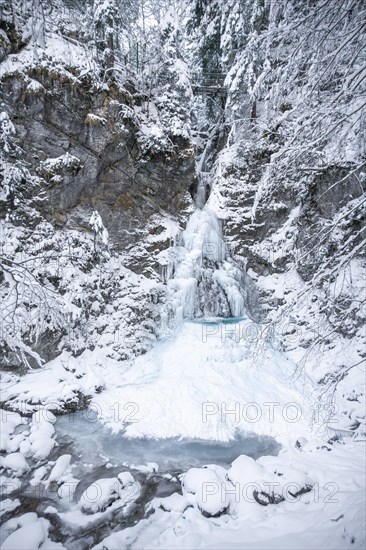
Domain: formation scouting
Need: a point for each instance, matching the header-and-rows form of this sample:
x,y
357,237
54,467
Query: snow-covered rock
x,y
62,464
148,468
208,488
103,492
173,503
16,463
38,475
9,484
28,532
8,505
244,470
9,442
41,434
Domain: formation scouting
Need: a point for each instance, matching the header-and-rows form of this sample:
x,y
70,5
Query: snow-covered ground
x,y
206,383
329,515
211,380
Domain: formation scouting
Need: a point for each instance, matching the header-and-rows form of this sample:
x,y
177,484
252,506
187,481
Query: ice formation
x,y
202,278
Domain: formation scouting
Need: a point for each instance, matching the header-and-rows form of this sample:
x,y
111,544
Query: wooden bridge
x,y
208,84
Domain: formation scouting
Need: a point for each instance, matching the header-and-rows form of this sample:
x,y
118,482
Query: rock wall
x,y
112,169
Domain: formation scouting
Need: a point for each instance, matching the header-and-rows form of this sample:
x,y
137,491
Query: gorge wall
x,y
86,129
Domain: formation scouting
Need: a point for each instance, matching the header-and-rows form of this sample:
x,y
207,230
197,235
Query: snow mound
x,y
62,464
28,532
206,484
9,442
16,463
210,381
41,434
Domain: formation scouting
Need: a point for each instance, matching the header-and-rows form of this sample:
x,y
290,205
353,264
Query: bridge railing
x,y
208,79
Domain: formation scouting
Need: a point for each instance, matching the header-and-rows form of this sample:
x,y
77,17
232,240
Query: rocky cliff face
x,y
89,152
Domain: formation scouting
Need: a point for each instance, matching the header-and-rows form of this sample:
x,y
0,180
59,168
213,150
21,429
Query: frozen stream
x,y
95,444
135,422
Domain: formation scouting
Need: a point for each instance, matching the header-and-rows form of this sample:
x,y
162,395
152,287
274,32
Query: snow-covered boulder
x,y
283,482
208,487
8,422
103,492
125,479
8,485
38,475
28,537
16,463
172,503
266,480
60,467
99,495
41,434
8,505
28,533
245,470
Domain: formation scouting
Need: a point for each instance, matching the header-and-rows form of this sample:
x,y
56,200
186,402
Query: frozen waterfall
x,y
202,278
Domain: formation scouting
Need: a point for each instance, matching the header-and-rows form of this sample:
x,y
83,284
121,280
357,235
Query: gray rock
x,y
126,183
